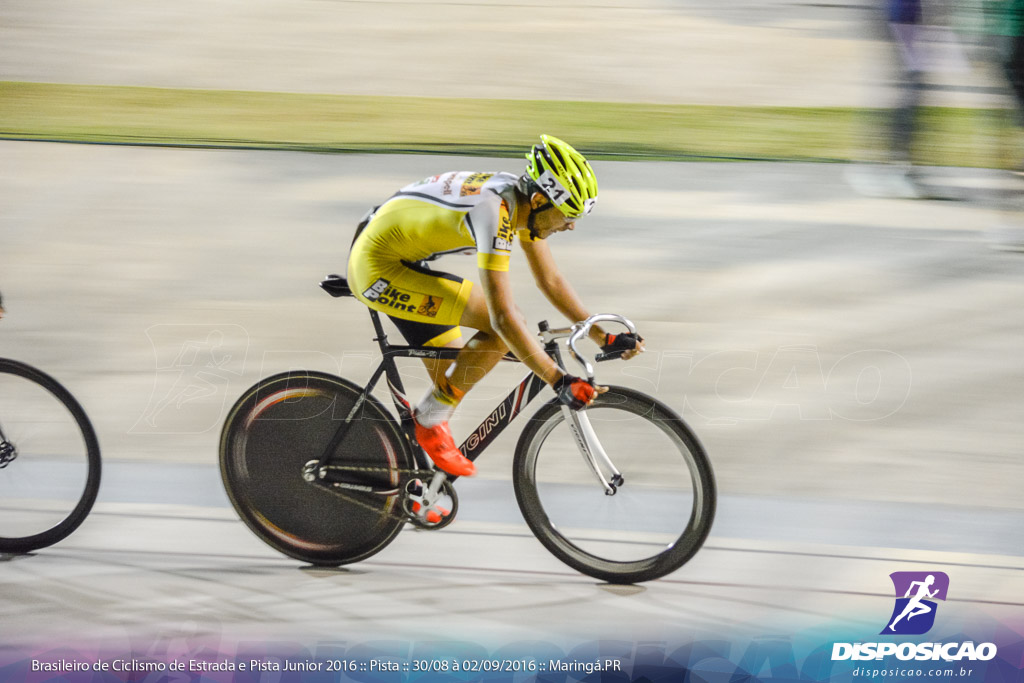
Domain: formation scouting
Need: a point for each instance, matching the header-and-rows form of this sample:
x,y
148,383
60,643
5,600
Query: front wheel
x,y
49,460
271,442
659,515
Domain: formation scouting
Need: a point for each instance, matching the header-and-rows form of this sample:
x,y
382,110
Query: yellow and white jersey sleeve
x,y
491,223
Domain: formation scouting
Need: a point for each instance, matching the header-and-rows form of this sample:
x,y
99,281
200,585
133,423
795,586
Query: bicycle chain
x,y
352,468
351,499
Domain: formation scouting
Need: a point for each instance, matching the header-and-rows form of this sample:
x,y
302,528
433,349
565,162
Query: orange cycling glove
x,y
574,392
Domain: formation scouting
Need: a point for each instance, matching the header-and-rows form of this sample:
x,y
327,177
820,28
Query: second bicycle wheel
x,y
288,420
49,460
658,517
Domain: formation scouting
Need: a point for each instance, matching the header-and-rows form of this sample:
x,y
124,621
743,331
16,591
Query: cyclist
x,y
482,214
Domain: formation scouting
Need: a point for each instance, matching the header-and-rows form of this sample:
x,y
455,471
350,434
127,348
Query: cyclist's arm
x,y
507,322
556,288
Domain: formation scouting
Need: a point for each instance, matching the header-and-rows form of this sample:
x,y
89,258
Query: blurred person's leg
x,y
903,119
1008,233
1013,68
899,23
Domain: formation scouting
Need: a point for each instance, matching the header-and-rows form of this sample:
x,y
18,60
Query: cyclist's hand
x,y
575,392
628,344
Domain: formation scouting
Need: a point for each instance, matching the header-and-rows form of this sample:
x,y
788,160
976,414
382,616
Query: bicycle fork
x,y
579,422
592,451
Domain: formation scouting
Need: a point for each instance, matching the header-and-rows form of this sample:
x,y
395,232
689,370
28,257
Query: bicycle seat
x,y
336,285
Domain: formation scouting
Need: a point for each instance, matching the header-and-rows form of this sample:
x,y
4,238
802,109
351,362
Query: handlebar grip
x,y
611,355
580,329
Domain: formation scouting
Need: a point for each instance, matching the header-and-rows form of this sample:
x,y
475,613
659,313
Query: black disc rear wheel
x,y
276,430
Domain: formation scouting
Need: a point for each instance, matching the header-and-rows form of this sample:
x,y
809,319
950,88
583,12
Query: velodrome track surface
x,y
852,366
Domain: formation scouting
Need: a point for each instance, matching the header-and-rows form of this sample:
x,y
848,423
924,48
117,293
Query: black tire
x,y
287,420
48,489
668,489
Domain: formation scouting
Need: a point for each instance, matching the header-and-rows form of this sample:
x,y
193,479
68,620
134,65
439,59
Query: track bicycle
x,y
320,470
49,460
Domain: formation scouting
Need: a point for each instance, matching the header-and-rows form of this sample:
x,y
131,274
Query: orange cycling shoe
x,y
437,441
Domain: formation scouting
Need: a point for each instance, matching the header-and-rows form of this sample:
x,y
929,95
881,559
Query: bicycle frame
x,y
579,423
479,439
381,479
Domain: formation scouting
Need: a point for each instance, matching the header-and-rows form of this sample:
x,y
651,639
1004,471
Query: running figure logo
x,y
914,612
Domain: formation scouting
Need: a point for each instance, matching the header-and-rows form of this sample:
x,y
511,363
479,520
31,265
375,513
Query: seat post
x,y
390,369
381,338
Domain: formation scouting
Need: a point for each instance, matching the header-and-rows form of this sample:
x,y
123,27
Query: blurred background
x,y
809,208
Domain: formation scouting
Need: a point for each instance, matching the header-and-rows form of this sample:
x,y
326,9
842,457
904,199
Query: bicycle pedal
x,y
432,515
429,510
435,516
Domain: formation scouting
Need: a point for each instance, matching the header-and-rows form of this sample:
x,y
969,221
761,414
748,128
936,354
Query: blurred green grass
x,y
180,117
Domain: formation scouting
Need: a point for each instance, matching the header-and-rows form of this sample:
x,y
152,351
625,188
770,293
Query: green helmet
x,y
563,175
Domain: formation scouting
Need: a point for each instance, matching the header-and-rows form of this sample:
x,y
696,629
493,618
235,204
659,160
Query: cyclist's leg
x,y
419,333
482,351
438,367
478,357
427,306
479,354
